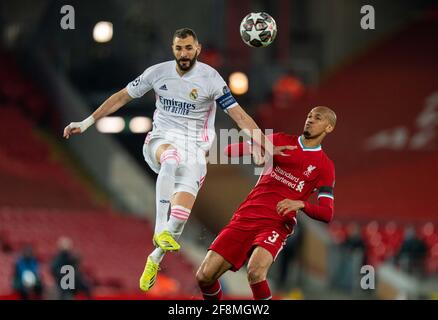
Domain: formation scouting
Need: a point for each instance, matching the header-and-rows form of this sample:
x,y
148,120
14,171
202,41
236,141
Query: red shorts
x,y
236,244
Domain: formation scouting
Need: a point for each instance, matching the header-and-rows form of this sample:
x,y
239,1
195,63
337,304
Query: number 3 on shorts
x,y
274,237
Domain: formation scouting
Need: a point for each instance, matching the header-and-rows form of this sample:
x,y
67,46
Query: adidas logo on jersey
x,y
163,87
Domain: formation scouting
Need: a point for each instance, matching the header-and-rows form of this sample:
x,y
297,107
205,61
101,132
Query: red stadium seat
x,y
113,248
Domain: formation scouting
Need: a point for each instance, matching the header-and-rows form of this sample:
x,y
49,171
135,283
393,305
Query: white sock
x,y
157,255
165,186
177,220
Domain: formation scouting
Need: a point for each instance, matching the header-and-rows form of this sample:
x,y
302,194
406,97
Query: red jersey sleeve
x,y
244,148
324,210
237,149
327,178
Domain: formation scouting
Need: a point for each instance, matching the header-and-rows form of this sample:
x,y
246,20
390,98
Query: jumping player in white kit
x,y
187,92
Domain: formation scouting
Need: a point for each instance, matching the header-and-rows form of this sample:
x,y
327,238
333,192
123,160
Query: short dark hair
x,y
184,33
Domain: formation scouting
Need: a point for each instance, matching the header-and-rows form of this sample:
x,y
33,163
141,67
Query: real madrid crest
x,y
194,94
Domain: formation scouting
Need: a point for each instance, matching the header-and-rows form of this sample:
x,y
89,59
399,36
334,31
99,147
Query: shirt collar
x,y
317,148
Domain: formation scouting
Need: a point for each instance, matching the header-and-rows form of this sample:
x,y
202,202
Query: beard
x,y
307,134
191,63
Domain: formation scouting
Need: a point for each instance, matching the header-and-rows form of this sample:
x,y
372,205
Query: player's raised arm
x,y
246,123
111,105
237,149
223,97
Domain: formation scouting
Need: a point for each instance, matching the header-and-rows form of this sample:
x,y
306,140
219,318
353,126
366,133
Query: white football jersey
x,y
185,105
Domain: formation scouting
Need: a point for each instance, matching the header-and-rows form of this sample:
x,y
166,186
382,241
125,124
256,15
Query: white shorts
x,y
192,168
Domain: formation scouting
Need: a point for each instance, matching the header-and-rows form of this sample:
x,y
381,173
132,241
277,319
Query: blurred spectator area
x,y
113,249
383,241
18,91
31,172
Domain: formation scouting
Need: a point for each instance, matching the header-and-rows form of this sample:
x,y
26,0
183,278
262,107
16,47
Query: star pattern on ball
x,y
256,16
254,34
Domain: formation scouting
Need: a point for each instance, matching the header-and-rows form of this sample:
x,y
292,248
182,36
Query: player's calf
x,y
258,266
256,274
210,287
261,290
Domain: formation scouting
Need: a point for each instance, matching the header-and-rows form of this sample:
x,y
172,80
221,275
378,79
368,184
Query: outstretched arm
x,y
237,149
246,123
242,149
111,105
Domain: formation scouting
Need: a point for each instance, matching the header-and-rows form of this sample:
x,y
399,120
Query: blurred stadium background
x,y
96,189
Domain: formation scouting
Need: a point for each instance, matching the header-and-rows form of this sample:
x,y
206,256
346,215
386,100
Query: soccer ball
x,y
258,29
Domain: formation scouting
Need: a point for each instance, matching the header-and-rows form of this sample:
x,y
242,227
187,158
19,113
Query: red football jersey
x,y
295,176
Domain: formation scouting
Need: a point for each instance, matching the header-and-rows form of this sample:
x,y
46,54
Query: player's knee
x,y
256,273
170,159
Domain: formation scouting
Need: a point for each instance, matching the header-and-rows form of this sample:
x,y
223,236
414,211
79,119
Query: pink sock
x,y
261,291
212,291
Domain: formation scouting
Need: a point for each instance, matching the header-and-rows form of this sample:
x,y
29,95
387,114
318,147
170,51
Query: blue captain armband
x,y
226,101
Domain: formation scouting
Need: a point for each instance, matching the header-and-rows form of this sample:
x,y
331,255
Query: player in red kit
x,y
261,225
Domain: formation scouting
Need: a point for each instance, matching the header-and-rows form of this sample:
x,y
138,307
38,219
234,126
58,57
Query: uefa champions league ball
x,y
258,29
